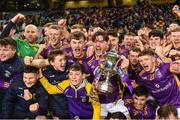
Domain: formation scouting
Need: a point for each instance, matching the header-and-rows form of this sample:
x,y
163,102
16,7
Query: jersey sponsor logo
x,y
7,73
162,89
26,46
157,85
52,76
144,78
84,99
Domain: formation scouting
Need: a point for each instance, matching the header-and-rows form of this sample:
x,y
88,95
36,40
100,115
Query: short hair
x,y
53,54
8,41
100,33
147,52
141,91
113,33
135,49
130,34
31,25
175,30
116,115
77,67
165,110
77,35
77,26
48,24
156,33
31,69
56,27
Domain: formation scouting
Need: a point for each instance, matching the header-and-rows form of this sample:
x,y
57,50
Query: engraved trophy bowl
x,y
105,86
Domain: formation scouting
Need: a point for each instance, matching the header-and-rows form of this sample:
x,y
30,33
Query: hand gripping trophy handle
x,y
111,60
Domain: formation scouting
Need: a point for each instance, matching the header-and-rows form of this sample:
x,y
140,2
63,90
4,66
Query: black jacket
x,y
15,106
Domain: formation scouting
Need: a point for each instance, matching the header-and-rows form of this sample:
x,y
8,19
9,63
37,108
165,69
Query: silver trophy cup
x,y
105,86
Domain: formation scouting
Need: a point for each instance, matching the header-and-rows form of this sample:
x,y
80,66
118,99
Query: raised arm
x,y
7,29
40,63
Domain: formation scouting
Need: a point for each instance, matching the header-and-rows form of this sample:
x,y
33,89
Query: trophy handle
x,y
107,77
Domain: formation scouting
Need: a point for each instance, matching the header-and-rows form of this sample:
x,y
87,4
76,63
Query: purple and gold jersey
x,y
82,102
123,51
148,112
84,60
162,84
46,51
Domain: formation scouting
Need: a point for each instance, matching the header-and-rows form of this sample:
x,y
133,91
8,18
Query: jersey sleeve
x,y
53,89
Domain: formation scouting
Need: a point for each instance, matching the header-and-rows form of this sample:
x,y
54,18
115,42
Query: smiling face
x,y
30,79
6,52
154,42
133,57
54,37
113,41
59,63
139,101
147,62
76,77
175,38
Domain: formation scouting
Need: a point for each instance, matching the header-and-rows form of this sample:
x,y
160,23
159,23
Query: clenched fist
x,y
34,107
27,95
28,60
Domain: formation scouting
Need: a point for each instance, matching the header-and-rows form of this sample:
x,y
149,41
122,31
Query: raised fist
x,y
28,60
18,18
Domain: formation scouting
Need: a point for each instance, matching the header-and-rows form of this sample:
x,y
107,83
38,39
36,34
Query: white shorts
x,y
114,107
178,110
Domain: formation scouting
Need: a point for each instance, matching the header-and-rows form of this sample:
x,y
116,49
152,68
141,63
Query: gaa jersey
x,y
123,51
46,51
24,48
147,112
162,84
82,102
84,60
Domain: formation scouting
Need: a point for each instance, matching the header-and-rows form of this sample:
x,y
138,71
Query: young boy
x,y
138,106
11,65
55,73
25,98
83,104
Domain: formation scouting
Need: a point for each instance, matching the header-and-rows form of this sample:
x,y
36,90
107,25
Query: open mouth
x,y
74,81
146,67
77,50
3,57
98,49
29,84
62,66
176,42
